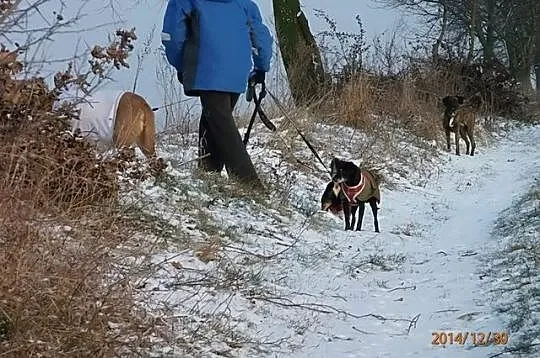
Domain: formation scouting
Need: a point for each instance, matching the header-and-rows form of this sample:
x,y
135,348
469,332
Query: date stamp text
x,y
465,337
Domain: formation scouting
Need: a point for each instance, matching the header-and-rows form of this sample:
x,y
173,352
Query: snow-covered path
x,y
449,295
445,266
444,230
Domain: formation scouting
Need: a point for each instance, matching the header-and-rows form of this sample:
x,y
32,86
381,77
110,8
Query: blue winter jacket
x,y
214,44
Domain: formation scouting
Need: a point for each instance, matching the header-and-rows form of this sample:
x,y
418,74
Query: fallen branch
x,y
295,241
403,288
323,308
363,332
195,159
413,323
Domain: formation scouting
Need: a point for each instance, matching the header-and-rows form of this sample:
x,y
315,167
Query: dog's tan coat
x,y
135,124
463,123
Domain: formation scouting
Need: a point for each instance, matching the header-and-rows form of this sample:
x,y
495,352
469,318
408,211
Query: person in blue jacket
x,y
216,47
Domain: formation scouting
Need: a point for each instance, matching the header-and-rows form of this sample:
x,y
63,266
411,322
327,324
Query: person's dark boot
x,y
210,160
224,140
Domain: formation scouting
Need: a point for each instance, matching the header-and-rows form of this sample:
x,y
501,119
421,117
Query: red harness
x,y
352,192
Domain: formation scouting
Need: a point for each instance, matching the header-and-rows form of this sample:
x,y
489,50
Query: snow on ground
x,y
271,276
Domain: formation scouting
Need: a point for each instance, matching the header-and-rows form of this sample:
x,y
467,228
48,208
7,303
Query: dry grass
x,y
410,101
57,292
355,104
62,293
210,251
371,103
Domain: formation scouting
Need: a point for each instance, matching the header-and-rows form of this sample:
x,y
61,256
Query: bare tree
x,y
517,32
496,30
537,53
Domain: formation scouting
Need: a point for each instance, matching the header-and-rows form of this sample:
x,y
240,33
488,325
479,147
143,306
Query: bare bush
x,y
61,293
39,155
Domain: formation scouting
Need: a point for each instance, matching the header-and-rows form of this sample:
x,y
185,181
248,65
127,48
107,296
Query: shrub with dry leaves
x,y
61,292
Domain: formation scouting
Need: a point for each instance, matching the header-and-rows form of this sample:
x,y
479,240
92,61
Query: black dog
x,y
356,187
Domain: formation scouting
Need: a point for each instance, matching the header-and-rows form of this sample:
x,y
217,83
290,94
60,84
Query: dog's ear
x,y
453,102
329,186
352,166
333,164
446,101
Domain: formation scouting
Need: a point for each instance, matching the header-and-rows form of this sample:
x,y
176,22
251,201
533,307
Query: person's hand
x,y
257,77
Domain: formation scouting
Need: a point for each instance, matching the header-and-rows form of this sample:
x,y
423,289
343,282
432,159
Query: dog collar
x,y
352,192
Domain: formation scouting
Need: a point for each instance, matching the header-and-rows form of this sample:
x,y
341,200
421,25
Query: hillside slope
x,y
271,276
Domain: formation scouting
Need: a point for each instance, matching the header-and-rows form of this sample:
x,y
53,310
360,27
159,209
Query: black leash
x,y
310,146
252,95
168,105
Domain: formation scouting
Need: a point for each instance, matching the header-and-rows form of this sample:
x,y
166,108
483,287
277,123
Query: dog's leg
x,y
457,140
147,139
361,208
452,120
447,131
470,132
354,209
347,215
126,128
121,122
374,209
463,133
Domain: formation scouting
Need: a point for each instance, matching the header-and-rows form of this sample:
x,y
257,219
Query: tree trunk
x,y
301,56
537,75
537,49
472,32
520,64
444,24
520,39
489,52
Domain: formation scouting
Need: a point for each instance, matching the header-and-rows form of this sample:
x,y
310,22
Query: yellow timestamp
x,y
474,338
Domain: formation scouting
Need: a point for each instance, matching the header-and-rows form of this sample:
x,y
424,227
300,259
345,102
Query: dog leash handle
x,y
251,95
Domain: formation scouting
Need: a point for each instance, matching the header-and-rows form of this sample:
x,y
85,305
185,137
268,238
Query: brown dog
x,y
460,117
122,119
135,124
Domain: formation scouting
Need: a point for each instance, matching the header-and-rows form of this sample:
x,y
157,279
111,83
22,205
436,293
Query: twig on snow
x,y
403,288
363,332
323,308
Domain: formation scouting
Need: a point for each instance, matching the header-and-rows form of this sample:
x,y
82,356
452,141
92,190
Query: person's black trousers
x,y
219,137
